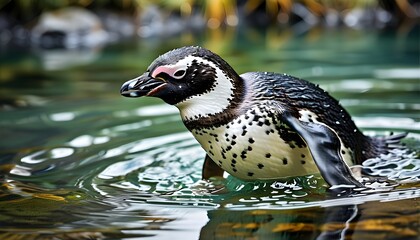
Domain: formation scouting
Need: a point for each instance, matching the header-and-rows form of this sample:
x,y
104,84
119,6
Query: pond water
x,y
78,161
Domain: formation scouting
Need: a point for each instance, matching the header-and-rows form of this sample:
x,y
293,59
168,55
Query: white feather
x,y
215,101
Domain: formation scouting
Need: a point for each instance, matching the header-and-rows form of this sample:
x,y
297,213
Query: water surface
x,y
78,161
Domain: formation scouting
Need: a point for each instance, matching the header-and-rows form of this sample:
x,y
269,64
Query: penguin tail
x,y
387,143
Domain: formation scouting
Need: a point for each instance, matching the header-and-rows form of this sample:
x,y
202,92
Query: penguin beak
x,y
142,86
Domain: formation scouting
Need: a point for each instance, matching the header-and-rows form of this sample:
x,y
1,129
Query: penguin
x,y
258,125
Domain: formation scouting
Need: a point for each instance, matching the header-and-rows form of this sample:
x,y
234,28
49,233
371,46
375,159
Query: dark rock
x,y
68,28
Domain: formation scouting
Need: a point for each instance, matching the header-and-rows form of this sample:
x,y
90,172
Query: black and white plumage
x,y
257,126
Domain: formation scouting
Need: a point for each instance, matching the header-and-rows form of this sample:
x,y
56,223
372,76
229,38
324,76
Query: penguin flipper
x,y
324,145
210,169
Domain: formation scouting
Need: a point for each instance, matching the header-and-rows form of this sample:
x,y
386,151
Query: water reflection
x,y
53,60
60,117
111,174
397,73
334,222
87,140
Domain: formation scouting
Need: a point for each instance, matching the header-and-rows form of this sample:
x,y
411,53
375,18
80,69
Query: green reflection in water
x,y
79,161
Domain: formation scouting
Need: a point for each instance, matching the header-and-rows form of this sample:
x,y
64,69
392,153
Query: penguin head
x,y
194,79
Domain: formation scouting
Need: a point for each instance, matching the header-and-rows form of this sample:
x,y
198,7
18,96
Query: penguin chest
x,y
256,145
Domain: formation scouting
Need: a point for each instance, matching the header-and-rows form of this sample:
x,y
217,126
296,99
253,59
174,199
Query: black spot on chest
x,y
266,119
289,136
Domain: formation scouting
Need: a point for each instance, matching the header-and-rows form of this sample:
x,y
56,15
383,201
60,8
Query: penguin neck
x,y
217,107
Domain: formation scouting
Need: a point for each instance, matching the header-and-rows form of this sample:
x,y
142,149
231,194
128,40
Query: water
x,y
78,161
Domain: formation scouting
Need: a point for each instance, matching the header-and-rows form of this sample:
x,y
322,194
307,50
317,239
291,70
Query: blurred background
x,y
72,23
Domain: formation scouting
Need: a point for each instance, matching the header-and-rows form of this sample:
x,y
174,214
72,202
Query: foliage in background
x,y
215,11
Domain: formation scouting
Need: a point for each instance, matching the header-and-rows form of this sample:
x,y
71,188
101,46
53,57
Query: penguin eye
x,y
179,74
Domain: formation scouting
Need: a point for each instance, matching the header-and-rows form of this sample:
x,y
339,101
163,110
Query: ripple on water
x,y
399,165
166,169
